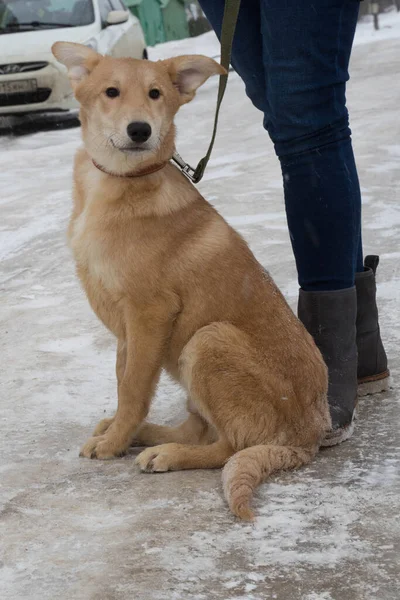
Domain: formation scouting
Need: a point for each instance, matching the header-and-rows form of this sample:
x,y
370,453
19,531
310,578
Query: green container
x,y
161,20
150,16
175,21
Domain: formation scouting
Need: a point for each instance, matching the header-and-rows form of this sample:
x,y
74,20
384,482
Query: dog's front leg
x,y
139,360
104,424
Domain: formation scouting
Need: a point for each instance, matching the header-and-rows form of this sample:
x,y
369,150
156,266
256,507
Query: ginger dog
x,y
181,291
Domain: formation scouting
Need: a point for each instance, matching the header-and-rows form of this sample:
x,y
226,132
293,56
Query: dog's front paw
x,y
157,459
102,447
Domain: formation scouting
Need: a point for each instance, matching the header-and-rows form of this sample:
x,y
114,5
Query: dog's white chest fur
x,y
92,250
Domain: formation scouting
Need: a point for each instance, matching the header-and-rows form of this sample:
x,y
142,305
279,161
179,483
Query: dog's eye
x,y
154,93
112,92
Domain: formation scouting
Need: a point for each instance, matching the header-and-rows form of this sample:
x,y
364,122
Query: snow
x,y
86,530
206,44
389,28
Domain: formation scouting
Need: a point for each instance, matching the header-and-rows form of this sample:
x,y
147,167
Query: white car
x,y
31,80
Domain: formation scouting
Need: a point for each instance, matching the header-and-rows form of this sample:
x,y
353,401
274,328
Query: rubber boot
x,y
373,373
330,317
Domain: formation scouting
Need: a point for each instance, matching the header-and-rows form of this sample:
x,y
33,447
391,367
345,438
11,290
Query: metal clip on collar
x,y
185,167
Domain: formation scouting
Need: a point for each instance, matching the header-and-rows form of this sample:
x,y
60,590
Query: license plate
x,y
18,86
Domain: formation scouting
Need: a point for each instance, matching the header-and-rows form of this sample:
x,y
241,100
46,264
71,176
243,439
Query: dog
x,y
181,290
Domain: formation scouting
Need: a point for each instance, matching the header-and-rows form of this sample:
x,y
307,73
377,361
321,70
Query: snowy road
x,y
86,530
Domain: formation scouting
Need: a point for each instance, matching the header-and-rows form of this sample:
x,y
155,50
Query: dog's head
x,y
128,105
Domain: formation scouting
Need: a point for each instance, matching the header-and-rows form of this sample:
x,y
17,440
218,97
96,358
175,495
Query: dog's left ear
x,y
79,60
190,72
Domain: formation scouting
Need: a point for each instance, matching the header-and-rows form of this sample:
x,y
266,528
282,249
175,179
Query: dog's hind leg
x,y
195,430
229,385
174,457
209,365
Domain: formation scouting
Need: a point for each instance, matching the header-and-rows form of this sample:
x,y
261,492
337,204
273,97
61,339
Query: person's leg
x,y
293,58
247,49
306,48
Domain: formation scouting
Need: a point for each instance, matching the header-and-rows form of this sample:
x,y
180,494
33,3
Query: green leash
x,y
231,12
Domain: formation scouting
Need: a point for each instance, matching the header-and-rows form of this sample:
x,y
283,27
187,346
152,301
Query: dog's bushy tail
x,y
246,469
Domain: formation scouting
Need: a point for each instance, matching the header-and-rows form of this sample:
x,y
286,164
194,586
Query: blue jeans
x,y
293,56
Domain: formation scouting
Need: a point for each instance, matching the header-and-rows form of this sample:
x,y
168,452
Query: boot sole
x,y
374,384
336,437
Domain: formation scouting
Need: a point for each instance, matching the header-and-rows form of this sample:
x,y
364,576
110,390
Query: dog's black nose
x,y
139,131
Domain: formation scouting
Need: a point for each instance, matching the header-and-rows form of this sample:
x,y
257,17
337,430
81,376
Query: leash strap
x,y
231,12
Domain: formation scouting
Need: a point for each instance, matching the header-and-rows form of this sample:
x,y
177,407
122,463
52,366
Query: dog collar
x,y
139,173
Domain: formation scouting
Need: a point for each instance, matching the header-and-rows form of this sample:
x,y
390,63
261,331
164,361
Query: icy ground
x,y
73,529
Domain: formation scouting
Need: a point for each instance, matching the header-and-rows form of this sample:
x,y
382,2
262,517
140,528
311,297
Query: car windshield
x,y
36,15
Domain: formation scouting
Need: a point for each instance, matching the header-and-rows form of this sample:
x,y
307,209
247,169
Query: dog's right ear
x,y
79,60
190,72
